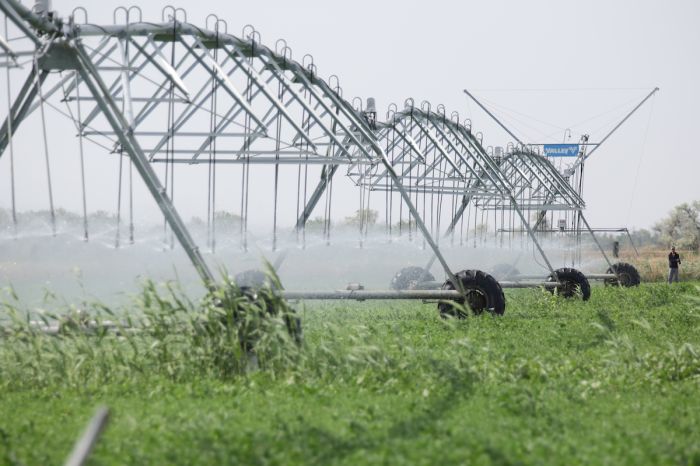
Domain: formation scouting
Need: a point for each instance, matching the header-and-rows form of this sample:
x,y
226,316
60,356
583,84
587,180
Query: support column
x,y
326,177
602,251
466,199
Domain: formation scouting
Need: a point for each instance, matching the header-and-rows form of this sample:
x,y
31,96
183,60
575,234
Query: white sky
x,y
392,50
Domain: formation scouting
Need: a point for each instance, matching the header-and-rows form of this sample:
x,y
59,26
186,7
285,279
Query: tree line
x,y
679,228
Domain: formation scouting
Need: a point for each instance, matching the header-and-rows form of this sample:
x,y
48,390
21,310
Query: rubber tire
x,y
253,278
482,283
504,272
571,277
407,278
250,281
629,276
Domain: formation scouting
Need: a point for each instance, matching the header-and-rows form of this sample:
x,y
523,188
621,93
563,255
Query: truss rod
x,y
494,117
21,106
258,161
581,160
119,124
326,177
18,13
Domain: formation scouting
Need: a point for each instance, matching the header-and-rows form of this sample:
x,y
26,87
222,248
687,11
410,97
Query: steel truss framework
x,y
267,107
437,155
174,93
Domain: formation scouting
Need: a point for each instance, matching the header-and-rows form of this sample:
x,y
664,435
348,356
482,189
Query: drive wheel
x,y
627,274
482,292
573,283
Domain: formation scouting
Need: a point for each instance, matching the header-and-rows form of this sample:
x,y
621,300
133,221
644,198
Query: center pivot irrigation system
x,y
170,93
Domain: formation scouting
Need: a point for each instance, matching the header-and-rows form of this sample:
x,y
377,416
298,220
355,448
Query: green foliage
x,y
64,218
611,381
171,337
642,237
682,227
481,229
363,217
226,220
316,224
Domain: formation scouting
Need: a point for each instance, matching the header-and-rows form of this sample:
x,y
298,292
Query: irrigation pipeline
x,y
266,109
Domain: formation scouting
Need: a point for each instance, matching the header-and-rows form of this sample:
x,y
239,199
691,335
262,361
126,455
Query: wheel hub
x,y
624,278
567,289
477,300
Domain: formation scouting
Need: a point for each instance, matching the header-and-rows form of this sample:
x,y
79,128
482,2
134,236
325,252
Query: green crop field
x,y
615,380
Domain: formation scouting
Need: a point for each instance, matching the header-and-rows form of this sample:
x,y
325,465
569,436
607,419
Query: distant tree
x,y
315,224
403,224
196,222
226,220
364,216
481,229
67,216
682,227
644,237
101,216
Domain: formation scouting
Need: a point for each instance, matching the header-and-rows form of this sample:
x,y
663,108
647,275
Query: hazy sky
x,y
543,66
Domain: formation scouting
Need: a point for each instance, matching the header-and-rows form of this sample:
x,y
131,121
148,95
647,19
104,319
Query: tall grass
x,y
609,381
652,264
167,335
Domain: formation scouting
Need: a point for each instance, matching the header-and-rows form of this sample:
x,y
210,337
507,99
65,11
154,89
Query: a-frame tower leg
x,y
131,146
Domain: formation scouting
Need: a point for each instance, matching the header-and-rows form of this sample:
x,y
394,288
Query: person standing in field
x,y
674,260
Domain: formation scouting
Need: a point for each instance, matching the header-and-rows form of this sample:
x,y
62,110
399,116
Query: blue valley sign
x,y
561,150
